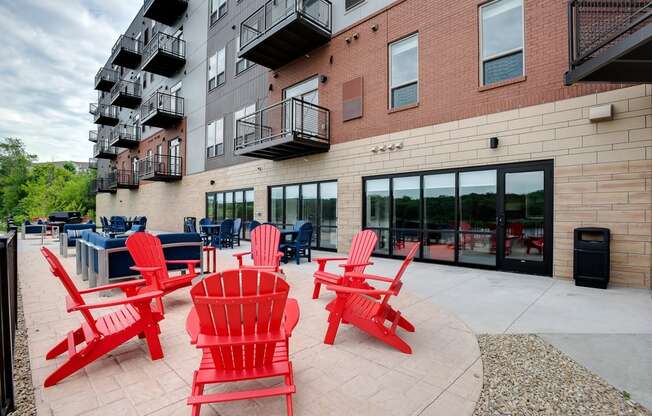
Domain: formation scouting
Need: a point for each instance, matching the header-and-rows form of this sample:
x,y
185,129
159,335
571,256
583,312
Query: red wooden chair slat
x,y
354,306
265,240
242,320
100,336
147,252
362,246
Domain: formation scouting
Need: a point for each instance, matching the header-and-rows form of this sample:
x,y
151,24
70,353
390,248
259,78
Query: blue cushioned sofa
x,y
29,228
103,259
70,234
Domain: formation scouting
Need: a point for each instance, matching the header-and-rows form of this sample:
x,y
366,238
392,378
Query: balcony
x,y
92,163
165,11
104,114
126,94
163,168
103,184
92,136
105,79
125,136
161,110
281,31
127,52
102,150
285,130
610,41
123,179
164,55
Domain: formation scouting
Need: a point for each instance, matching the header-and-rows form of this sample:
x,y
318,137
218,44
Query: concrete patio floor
x,y
356,376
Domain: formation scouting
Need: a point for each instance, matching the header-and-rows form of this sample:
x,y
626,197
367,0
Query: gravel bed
x,y
524,375
24,389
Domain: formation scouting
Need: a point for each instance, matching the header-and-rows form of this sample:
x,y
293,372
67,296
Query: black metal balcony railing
x,y
126,94
103,184
127,52
105,79
92,163
161,168
164,11
103,150
104,114
281,31
284,130
125,179
161,110
602,33
92,136
125,136
164,55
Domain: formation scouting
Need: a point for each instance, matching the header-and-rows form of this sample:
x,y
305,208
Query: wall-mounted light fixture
x,y
212,182
323,79
348,40
493,142
374,28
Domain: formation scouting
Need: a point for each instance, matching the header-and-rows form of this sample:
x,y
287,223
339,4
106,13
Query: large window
x,y
216,69
218,9
241,113
501,41
377,211
404,72
314,202
215,138
240,63
232,204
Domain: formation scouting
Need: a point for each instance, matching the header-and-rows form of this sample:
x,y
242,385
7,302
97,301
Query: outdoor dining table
x,y
289,232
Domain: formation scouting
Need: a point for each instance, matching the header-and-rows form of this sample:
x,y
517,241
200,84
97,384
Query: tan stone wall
x,y
603,173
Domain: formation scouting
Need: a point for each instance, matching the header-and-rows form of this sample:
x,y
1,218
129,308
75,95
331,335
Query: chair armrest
x,y
240,255
183,261
146,269
143,298
352,290
291,315
348,267
122,285
207,341
364,276
323,260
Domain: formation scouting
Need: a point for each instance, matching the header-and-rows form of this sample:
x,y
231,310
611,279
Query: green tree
x,y
15,164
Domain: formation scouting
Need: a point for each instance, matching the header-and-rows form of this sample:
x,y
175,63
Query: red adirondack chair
x,y
147,252
265,241
135,317
362,246
242,320
355,307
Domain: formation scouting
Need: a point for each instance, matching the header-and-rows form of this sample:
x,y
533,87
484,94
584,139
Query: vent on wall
x,y
352,94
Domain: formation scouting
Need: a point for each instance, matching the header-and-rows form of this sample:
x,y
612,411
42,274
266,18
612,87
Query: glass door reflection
x,y
477,211
439,217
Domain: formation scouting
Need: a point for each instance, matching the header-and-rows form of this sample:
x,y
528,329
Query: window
x,y
216,71
232,204
241,64
243,112
218,9
404,72
349,4
215,138
501,41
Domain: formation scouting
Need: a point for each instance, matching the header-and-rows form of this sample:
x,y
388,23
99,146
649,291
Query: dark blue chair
x,y
300,246
253,224
189,225
237,228
206,234
225,237
118,225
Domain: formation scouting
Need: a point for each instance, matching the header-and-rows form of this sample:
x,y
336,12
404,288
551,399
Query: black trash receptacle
x,y
591,257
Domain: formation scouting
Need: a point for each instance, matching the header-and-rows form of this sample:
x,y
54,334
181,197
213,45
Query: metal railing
x,y
103,183
8,318
105,110
124,87
123,177
289,117
272,13
125,132
594,25
92,136
128,44
92,163
107,74
103,146
162,102
149,2
159,164
162,42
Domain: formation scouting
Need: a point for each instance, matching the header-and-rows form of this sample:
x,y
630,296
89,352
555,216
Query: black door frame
x,y
546,165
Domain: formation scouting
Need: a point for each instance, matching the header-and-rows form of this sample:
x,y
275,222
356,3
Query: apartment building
x,y
488,131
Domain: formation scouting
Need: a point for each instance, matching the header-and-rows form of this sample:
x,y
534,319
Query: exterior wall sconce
x,y
356,35
374,149
374,28
323,79
348,40
212,182
493,142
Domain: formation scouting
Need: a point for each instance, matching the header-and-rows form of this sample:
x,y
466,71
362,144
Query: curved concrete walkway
x,y
356,376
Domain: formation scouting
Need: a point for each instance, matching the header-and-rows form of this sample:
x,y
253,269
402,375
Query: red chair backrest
x,y
59,271
147,251
397,284
362,246
241,302
265,240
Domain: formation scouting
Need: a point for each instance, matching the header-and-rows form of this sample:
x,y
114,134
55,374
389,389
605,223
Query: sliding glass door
x,y
232,204
498,217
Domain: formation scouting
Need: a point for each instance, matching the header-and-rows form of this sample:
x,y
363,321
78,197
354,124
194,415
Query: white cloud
x,y
50,53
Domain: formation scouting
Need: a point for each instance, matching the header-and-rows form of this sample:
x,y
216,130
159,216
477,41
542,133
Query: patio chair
x,y
135,317
265,241
301,246
147,251
355,306
224,238
118,225
237,229
190,225
252,225
205,235
242,321
362,246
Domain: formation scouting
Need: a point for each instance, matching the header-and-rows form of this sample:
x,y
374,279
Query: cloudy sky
x,y
49,54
